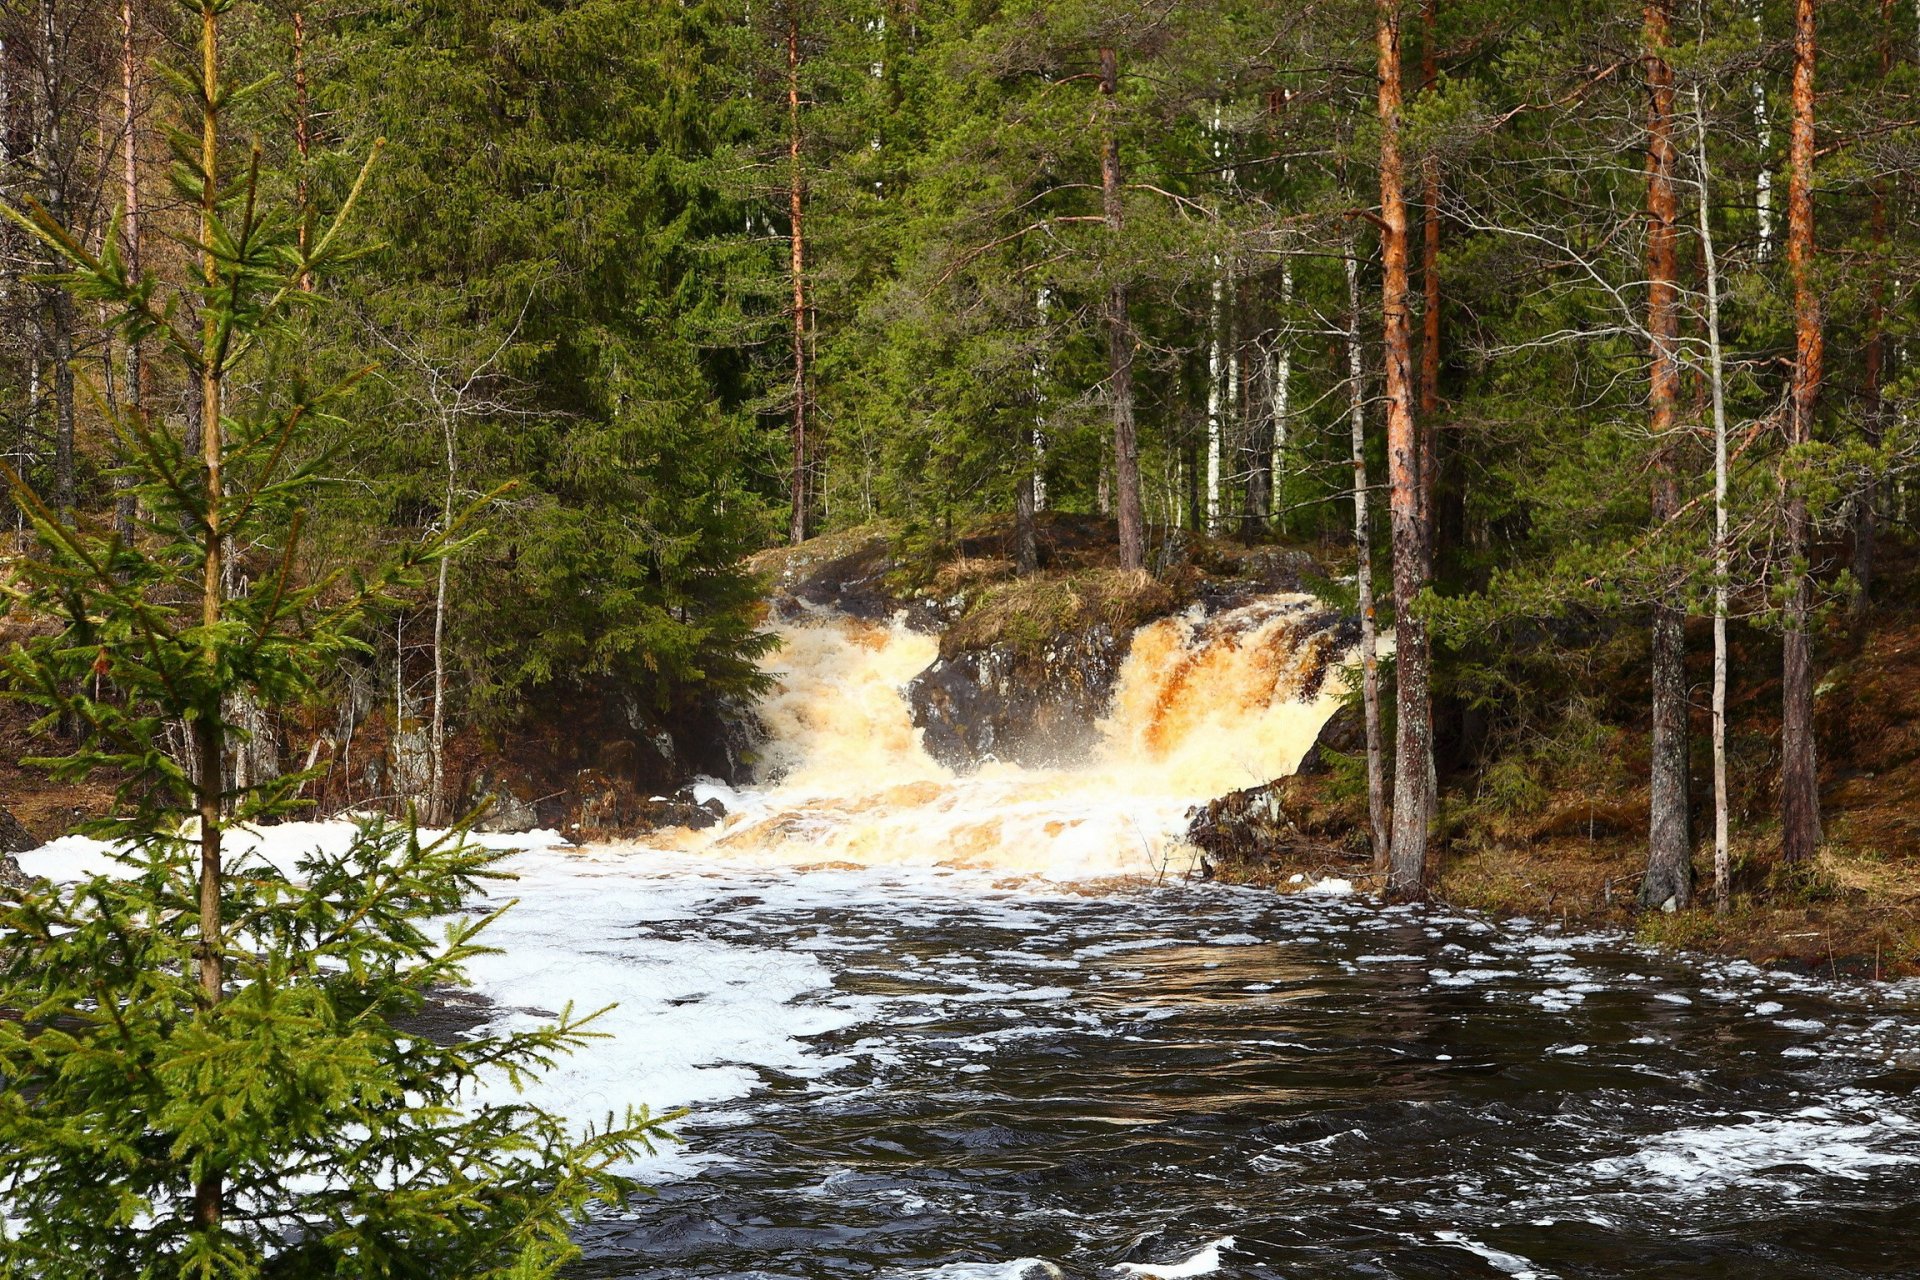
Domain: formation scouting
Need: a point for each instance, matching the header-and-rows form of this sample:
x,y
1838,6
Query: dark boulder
x,y
1035,706
14,837
1290,819
1345,733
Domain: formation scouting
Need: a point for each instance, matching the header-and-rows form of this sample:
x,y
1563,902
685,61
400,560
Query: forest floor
x,y
1559,831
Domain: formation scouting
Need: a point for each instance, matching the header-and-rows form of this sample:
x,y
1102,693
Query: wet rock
x,y
682,810
1271,823
507,814
1261,571
1344,733
14,837
1032,707
11,876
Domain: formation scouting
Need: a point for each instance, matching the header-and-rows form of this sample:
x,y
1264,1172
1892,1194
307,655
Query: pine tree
x,y
211,1073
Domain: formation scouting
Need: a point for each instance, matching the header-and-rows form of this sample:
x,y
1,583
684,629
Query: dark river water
x,y
1204,1080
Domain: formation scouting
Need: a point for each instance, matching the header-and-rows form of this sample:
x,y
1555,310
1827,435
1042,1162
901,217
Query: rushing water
x,y
918,1042
975,1078
978,1028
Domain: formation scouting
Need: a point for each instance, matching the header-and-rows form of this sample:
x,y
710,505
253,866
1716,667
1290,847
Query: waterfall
x,y
1203,705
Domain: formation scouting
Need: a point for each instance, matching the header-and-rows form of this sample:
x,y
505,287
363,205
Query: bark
x,y
1257,434
1763,126
209,735
1669,876
1873,376
1413,753
1363,568
1282,376
51,154
135,393
1042,301
437,732
302,135
1126,448
796,208
1216,399
1430,303
1722,861
1026,544
1799,779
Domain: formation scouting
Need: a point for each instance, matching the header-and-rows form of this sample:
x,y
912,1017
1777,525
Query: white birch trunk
x,y
1363,565
1763,126
1722,859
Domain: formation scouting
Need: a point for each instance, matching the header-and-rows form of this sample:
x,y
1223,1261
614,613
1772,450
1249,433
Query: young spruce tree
x,y
208,1061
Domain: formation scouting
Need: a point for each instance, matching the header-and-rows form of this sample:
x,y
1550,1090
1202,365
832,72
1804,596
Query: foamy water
x,y
1202,706
927,1035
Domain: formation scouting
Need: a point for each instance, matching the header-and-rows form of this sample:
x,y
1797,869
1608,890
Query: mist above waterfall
x,y
1203,705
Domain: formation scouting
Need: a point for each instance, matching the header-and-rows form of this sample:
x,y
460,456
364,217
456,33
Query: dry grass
x,y
1031,613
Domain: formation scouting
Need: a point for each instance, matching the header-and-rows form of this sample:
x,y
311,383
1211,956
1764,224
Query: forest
x,y
1577,322
748,467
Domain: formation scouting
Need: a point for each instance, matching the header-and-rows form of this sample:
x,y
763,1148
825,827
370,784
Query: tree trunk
x,y
302,135
1026,544
1873,377
796,201
136,361
51,154
1257,433
210,730
1216,399
1430,304
1363,568
1763,127
1042,301
1799,779
1282,376
1126,447
1669,876
1413,807
437,731
1722,861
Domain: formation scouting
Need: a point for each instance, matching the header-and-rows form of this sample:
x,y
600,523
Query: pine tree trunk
x,y
796,201
1669,876
1126,447
209,735
1873,376
1722,856
136,361
1430,304
302,134
1026,543
1363,569
51,155
1413,807
1799,778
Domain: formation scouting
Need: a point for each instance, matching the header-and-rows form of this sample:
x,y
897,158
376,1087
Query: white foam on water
x,y
1511,1263
1203,1262
1017,1269
1778,1151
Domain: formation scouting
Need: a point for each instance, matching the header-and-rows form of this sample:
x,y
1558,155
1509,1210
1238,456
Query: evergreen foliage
x,y
218,1066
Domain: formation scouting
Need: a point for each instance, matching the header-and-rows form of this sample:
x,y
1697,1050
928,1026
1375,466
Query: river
x,y
980,1028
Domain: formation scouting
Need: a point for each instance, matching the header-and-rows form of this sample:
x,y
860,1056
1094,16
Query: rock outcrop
x,y
1274,823
14,838
1029,707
